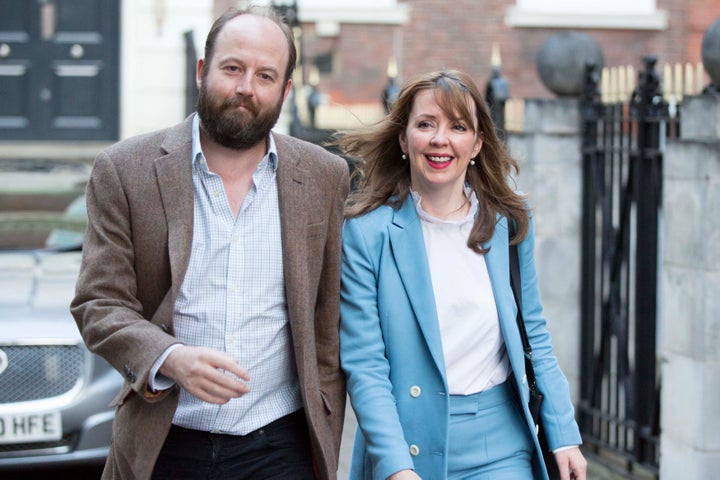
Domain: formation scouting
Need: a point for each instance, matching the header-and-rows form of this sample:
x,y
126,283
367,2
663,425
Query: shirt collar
x,y
197,153
469,218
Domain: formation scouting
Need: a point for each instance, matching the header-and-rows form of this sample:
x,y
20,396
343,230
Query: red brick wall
x,y
360,60
700,16
460,34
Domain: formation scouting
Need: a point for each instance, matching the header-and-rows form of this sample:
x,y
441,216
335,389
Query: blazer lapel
x,y
497,261
408,247
174,176
498,264
292,191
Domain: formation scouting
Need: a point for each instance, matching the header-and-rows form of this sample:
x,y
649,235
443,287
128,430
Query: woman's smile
x,y
439,162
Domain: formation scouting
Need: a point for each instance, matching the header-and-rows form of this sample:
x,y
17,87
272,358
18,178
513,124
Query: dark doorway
x,y
59,69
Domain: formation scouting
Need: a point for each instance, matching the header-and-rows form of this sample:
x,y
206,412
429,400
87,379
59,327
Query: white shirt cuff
x,y
158,381
566,447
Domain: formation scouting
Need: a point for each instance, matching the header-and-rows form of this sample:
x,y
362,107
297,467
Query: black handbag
x,y
536,396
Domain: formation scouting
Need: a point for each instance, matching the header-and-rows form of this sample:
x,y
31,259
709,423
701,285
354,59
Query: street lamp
x,y
391,89
497,92
289,11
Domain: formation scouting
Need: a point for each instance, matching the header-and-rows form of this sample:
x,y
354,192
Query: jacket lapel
x,y
292,192
497,261
408,248
174,176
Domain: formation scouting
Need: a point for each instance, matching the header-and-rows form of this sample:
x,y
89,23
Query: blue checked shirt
x,y
233,299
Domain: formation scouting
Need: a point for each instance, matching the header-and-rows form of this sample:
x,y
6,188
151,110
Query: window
x,y
327,14
611,14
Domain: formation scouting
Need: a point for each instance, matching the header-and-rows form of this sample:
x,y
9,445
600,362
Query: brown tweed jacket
x,y
136,252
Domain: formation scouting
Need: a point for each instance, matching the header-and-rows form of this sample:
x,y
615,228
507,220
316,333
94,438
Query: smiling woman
x,y
428,335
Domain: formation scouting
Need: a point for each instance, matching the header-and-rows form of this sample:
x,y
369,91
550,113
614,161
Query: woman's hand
x,y
404,475
572,464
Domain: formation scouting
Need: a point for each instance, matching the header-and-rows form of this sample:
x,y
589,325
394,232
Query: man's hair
x,y
265,12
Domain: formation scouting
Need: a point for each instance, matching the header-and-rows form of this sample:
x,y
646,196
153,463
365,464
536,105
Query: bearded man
x,y
210,278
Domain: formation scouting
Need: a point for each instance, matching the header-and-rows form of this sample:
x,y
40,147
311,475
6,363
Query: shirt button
x,y
414,450
415,391
524,379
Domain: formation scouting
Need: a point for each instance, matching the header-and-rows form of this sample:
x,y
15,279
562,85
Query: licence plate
x,y
30,427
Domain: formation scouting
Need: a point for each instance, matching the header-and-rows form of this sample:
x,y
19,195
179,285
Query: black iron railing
x,y
622,177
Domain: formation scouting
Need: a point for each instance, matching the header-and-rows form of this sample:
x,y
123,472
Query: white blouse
x,y
473,347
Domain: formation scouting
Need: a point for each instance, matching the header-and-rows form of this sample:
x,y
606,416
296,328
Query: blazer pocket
x,y
317,229
326,403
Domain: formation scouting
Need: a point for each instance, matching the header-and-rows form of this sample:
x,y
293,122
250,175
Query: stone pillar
x,y
689,330
701,118
549,154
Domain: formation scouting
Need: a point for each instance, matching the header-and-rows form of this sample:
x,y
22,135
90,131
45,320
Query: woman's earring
x,y
472,161
404,157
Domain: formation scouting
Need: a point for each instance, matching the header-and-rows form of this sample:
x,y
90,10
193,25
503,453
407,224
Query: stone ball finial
x,y
561,62
711,52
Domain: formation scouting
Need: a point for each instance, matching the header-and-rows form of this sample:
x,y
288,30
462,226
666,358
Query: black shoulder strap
x,y
516,283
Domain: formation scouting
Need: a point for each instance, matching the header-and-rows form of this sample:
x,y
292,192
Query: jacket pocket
x,y
317,229
326,403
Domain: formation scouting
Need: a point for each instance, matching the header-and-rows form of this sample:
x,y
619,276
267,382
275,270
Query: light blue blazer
x,y
391,349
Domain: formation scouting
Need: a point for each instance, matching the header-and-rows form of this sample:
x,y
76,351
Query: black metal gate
x,y
622,175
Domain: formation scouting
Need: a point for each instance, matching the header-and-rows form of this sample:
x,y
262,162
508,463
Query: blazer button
x,y
414,450
415,391
129,374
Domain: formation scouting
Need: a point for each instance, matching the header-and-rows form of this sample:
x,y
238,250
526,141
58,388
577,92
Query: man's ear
x,y
198,73
288,86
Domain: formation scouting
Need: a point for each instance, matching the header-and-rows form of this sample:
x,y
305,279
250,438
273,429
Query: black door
x,y
59,69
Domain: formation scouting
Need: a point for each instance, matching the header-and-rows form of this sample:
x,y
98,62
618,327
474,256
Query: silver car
x,y
54,394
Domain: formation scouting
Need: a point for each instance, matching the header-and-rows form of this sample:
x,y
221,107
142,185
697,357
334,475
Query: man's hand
x,y
572,464
210,375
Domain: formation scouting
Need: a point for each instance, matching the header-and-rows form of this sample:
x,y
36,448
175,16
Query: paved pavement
x,y
347,442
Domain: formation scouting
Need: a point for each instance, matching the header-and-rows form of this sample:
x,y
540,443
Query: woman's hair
x,y
383,177
266,12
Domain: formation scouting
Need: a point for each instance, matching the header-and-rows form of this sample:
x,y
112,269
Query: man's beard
x,y
234,127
